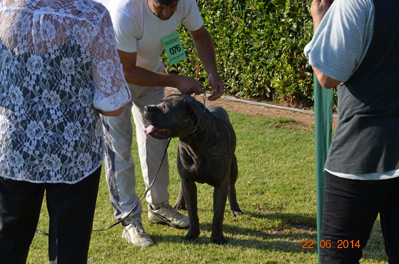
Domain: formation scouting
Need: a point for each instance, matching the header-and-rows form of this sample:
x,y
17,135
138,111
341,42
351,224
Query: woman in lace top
x,y
59,70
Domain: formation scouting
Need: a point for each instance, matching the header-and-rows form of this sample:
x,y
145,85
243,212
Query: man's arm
x,y
141,76
318,9
325,80
206,53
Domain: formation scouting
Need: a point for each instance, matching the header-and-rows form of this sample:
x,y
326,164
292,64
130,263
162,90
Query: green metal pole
x,y
323,103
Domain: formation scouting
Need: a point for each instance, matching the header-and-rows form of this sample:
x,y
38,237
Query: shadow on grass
x,y
261,241
291,238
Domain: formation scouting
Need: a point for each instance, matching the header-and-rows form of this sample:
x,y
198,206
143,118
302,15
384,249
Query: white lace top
x,y
58,65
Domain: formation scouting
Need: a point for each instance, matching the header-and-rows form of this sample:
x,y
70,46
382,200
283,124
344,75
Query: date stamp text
x,y
340,244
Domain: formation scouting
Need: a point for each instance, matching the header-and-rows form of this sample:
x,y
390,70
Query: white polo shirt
x,y
137,29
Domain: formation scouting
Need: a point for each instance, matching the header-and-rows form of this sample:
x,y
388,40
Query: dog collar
x,y
192,132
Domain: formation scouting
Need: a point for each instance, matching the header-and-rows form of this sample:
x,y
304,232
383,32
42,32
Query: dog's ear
x,y
198,109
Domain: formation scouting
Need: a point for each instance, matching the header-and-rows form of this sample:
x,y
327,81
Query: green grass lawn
x,y
275,189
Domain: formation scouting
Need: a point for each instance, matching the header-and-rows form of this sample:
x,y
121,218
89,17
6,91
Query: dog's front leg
x,y
190,196
180,203
219,204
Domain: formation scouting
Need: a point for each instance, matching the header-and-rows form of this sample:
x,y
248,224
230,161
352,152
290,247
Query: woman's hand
x,y
112,113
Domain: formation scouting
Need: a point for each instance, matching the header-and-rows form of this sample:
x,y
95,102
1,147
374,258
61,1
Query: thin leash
x,y
134,208
204,99
144,194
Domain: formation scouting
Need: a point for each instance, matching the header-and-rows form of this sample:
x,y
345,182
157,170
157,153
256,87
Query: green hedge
x,y
259,47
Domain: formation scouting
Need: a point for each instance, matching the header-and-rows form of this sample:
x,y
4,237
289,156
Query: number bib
x,y
173,47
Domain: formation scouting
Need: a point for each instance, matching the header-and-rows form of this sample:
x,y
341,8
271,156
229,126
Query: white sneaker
x,y
134,233
164,213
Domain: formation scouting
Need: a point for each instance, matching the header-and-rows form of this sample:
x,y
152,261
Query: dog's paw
x,y
236,212
219,239
180,206
191,235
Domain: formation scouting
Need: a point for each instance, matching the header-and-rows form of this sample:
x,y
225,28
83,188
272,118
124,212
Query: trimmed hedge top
x,y
259,48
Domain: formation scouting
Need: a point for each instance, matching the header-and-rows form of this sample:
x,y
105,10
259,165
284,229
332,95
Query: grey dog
x,y
207,144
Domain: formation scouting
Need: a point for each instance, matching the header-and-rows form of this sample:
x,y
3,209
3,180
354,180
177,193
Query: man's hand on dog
x,y
189,85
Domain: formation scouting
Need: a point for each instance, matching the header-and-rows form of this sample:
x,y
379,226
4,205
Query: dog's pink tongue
x,y
150,129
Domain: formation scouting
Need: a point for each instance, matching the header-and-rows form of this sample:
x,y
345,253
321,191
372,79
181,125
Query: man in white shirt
x,y
140,26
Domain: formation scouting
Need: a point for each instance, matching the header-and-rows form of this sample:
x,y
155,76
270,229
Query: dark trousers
x,y
71,210
350,210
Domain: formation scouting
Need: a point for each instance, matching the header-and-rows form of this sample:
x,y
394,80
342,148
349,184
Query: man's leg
x,y
119,165
151,151
120,175
20,204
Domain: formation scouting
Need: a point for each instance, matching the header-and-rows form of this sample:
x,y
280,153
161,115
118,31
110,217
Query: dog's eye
x,y
165,107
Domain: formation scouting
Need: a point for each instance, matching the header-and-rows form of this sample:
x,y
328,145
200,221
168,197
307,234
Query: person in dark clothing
x,y
355,47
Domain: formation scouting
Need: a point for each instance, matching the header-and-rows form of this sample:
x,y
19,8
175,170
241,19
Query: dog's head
x,y
175,116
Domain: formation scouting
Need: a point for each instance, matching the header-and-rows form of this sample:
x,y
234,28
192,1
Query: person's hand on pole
x,y
318,9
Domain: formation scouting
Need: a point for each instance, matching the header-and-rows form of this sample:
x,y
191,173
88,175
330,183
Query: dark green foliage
x,y
259,47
